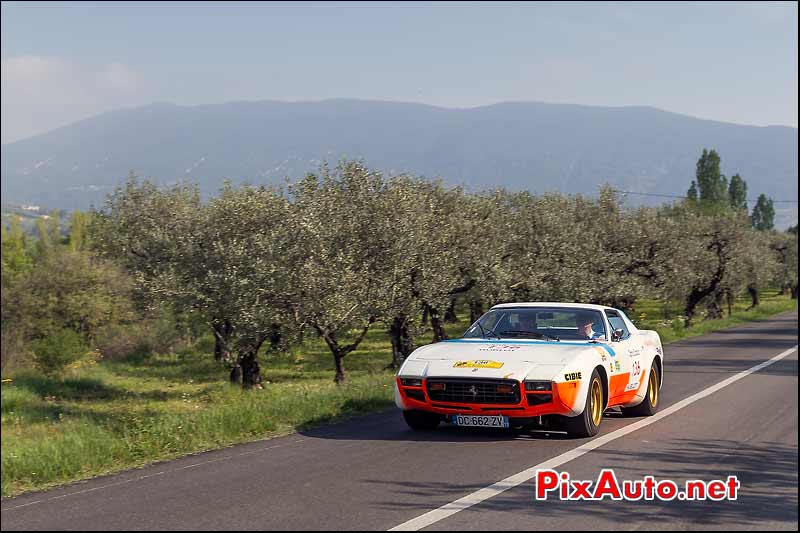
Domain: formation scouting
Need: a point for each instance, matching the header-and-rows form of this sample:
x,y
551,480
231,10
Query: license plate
x,y
480,421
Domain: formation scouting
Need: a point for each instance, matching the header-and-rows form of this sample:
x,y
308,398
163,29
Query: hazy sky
x,y
735,62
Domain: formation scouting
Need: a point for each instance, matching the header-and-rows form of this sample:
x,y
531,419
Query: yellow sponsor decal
x,y
572,376
477,364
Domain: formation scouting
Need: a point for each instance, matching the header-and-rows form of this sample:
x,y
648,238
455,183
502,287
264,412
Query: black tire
x,y
649,405
584,425
422,420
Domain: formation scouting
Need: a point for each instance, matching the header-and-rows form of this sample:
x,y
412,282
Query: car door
x,y
627,367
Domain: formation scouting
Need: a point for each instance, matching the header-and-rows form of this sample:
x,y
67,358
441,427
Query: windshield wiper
x,y
485,335
531,333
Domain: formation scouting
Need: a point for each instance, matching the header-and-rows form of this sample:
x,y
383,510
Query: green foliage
x,y
78,237
678,327
49,233
737,193
55,283
73,290
763,217
691,194
228,260
139,340
343,274
57,350
16,258
712,185
347,248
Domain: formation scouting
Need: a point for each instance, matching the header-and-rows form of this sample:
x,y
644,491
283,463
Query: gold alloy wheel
x,y
653,387
597,402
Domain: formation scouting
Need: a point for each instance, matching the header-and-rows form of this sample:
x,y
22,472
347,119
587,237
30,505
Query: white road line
x,y
436,515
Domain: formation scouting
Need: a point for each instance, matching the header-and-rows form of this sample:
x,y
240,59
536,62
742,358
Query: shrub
x,y
59,349
139,340
679,327
117,342
13,351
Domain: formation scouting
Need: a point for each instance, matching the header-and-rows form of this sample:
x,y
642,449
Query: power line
x,y
684,197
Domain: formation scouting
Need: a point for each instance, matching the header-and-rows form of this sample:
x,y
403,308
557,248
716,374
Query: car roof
x,y
593,307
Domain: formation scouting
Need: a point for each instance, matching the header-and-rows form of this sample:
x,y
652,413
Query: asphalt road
x,y
374,473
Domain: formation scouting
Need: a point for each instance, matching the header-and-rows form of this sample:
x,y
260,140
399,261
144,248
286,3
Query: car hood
x,y
497,359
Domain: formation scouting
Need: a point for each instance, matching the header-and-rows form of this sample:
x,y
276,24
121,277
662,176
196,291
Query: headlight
x,y
538,386
411,382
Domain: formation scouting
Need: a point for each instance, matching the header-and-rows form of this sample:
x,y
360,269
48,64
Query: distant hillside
x,y
534,146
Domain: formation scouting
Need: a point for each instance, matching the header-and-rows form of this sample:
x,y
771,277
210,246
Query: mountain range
x,y
519,145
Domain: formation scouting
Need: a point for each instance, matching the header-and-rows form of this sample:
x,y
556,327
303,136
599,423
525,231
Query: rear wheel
x,y
422,420
587,424
649,405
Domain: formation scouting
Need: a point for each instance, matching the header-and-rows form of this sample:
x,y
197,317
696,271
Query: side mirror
x,y
617,335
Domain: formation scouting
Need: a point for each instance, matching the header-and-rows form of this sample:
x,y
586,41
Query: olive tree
x,y
711,260
228,260
784,247
423,253
343,280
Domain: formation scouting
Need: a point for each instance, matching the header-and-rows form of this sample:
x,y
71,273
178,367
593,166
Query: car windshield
x,y
543,323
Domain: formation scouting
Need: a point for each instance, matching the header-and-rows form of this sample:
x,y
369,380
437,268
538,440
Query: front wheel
x,y
649,405
587,424
422,420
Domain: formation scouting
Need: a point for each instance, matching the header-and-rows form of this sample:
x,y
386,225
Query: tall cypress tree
x,y
713,186
763,217
737,193
692,192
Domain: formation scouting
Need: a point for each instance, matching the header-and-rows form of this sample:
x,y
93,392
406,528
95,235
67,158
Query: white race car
x,y
534,363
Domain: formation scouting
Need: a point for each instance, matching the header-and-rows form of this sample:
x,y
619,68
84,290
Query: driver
x,y
585,321
527,322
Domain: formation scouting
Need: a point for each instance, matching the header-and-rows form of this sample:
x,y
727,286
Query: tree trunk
x,y
752,290
692,301
340,351
794,292
247,371
715,306
402,342
475,310
251,371
236,375
450,315
729,299
217,349
436,325
275,338
338,359
697,295
222,333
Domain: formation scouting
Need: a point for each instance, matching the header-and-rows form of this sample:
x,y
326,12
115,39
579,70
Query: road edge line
x,y
481,495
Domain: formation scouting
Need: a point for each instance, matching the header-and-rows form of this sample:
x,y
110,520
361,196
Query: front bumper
x,y
558,401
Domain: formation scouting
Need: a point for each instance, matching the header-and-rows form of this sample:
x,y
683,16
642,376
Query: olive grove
x,y
346,250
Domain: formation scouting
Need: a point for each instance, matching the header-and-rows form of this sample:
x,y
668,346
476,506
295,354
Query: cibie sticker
x,y
477,364
572,376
